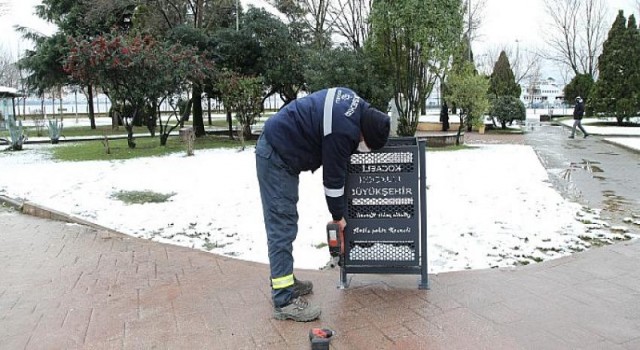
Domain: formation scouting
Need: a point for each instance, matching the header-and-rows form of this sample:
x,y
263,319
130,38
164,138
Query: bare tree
x,y
350,20
473,17
577,31
533,89
9,73
313,15
5,7
318,21
523,62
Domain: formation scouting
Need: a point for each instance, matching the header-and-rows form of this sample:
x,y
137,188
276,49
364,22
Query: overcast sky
x,y
521,23
505,21
20,12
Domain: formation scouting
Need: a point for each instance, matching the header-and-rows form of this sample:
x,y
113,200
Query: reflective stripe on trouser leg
x,y
279,194
282,282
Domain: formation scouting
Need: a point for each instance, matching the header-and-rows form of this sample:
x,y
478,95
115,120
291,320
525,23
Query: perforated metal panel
x,y
383,203
382,251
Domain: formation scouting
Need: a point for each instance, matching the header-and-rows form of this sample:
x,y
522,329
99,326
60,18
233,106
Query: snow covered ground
x,y
477,217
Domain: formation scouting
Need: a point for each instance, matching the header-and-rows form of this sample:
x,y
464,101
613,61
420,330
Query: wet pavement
x,y
590,171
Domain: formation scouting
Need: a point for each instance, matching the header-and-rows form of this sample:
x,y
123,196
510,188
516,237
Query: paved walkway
x,y
68,286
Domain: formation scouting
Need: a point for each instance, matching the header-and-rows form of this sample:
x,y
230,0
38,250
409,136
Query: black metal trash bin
x,y
386,212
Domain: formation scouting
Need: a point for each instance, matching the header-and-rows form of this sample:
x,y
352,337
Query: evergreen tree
x,y
617,89
416,42
507,109
503,81
468,91
580,85
632,40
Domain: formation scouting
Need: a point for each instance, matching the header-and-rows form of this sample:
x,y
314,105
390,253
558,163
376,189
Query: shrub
x,y
507,109
55,129
16,131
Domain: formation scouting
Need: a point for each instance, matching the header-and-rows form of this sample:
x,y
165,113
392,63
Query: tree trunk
x,y
61,111
150,117
198,122
209,109
460,127
230,122
246,132
130,141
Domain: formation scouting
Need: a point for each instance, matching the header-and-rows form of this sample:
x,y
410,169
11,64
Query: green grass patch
x,y
100,130
595,242
552,249
145,147
141,197
508,131
613,123
213,245
450,148
534,258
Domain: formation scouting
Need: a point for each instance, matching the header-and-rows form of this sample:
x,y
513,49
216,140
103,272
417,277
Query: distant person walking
x,y
578,112
444,117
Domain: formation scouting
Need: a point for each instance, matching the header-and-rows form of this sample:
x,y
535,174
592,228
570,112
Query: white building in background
x,y
542,94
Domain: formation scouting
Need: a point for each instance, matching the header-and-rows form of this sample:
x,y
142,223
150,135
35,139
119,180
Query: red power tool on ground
x,y
320,338
335,238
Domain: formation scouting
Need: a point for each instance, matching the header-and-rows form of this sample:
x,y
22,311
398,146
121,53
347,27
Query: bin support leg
x,y
424,280
344,283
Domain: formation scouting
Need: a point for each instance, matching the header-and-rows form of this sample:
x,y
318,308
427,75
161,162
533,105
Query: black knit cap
x,y
375,127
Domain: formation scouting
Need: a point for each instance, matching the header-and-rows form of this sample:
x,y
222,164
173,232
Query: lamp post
x,y
75,95
469,38
237,15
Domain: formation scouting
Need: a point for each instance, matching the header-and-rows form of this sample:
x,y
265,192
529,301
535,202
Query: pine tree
x,y
503,81
616,91
632,40
581,85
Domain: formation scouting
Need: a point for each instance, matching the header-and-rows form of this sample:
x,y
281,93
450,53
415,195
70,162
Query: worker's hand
x,y
342,223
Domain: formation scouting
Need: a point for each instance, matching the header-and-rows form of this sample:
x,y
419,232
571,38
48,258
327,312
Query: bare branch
x,y
5,7
577,31
523,62
9,72
474,16
350,20
317,20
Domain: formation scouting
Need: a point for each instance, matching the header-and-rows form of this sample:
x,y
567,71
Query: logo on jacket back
x,y
340,96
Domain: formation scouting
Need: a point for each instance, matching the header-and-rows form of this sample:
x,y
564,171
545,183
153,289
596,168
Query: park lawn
x,y
100,130
499,130
625,124
121,130
450,148
145,147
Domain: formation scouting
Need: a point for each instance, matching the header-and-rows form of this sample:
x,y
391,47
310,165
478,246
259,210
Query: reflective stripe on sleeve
x,y
331,192
328,110
282,282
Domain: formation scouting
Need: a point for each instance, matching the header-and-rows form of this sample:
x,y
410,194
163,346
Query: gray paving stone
x,y
71,286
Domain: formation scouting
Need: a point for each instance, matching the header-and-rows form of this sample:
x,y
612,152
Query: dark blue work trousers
x,y
578,123
279,194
